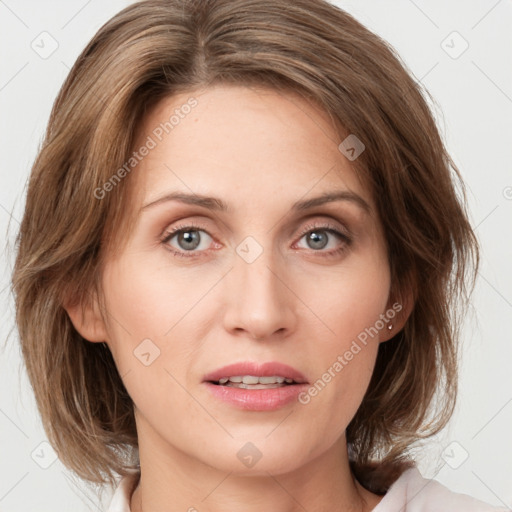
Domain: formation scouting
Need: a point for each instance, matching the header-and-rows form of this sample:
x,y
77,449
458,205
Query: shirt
x,y
409,493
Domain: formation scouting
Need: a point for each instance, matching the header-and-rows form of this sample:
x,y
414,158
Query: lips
x,y
268,369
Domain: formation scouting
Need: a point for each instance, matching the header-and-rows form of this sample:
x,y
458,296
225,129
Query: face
x,y
197,286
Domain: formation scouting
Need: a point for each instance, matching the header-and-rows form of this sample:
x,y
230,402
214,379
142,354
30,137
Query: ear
x,y
86,317
398,310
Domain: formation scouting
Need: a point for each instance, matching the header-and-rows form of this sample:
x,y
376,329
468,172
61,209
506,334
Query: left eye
x,y
318,238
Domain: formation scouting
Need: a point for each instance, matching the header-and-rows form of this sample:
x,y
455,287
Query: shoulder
x,y
413,493
120,501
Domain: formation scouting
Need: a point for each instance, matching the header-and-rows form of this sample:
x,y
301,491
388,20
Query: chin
x,y
259,457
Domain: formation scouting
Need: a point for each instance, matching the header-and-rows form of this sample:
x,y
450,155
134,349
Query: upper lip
x,y
268,369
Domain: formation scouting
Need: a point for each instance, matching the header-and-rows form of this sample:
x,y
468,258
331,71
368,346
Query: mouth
x,y
252,386
254,382
253,375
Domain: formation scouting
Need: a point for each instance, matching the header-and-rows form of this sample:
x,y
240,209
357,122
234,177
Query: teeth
x,y
241,385
270,380
249,379
252,379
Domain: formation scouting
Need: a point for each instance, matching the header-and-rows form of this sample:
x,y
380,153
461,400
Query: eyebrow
x,y
216,204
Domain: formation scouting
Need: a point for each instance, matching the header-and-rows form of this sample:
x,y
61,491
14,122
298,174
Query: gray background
x,y
473,92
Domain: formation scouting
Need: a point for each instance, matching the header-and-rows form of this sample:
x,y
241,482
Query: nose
x,y
260,303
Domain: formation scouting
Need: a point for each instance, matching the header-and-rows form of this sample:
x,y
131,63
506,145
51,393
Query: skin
x,y
259,151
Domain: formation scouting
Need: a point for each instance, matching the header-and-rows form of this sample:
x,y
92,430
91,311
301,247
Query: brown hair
x,y
157,48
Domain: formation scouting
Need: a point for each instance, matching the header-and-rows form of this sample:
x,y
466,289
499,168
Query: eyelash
x,y
307,229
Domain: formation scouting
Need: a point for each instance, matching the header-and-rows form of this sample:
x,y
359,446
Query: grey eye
x,y
188,239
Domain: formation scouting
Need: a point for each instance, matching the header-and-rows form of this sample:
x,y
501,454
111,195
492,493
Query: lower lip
x,y
257,399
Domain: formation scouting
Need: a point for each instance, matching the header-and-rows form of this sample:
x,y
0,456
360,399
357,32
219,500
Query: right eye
x,y
186,240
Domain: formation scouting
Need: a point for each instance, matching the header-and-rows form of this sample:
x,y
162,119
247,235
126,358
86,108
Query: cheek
x,y
349,299
149,314
150,300
349,304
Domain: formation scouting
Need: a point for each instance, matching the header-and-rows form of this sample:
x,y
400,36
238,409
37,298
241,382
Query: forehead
x,y
243,143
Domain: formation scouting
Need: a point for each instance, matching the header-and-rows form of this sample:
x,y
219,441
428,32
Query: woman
x,y
238,264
